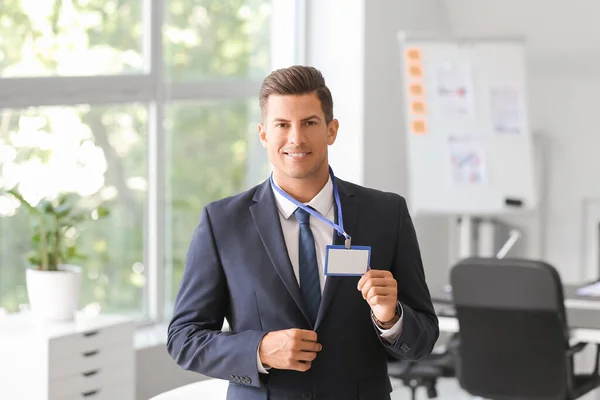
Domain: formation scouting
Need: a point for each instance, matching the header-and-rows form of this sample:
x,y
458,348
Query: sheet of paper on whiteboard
x,y
507,109
453,90
467,160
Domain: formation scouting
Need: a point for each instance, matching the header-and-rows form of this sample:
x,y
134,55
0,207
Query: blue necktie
x,y
309,269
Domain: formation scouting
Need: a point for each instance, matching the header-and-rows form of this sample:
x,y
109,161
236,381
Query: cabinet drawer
x,y
91,382
88,341
89,361
118,391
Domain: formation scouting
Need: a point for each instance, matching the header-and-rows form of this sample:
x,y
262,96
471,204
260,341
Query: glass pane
x,y
217,38
77,37
213,152
100,154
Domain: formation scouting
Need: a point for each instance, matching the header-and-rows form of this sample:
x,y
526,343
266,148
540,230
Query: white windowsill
x,y
153,335
150,336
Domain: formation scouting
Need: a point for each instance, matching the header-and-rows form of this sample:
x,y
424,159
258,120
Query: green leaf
x,y
71,252
45,206
62,210
22,200
34,259
103,212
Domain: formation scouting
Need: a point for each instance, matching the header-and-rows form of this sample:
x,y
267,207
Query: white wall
x,y
156,372
565,108
384,136
335,45
354,44
564,79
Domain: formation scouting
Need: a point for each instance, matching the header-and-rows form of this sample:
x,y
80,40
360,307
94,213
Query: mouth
x,y
297,154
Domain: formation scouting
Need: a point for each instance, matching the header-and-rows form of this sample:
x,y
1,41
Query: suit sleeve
x,y
195,340
420,329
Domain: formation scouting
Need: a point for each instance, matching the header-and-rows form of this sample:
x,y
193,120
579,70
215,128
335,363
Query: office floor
x,y
448,389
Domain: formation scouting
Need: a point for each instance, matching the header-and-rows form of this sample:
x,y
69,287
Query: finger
x,y
305,356
381,291
377,282
381,300
302,334
308,346
300,366
371,274
363,279
379,273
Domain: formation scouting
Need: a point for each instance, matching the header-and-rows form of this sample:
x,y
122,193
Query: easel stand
x,y
477,238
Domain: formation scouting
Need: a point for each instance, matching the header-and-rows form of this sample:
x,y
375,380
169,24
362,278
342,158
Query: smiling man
x,y
258,259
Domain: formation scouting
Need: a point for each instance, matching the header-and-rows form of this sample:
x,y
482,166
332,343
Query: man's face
x,y
296,136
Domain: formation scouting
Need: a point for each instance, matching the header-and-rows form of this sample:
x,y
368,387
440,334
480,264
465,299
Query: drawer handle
x,y
90,353
90,373
91,393
90,334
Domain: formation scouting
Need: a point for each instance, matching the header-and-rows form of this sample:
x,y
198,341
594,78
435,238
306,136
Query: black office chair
x,y
514,337
426,372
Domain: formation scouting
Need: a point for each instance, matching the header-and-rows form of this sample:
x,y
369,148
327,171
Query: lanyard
x,y
338,227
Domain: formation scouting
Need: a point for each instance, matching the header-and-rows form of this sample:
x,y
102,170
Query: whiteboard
x,y
469,145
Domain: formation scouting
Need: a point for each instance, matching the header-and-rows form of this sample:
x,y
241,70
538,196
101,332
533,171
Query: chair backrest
x,y
513,329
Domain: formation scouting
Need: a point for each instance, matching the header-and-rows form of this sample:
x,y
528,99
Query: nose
x,y
295,135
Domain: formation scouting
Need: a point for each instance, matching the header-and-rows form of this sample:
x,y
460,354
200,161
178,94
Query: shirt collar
x,y
322,202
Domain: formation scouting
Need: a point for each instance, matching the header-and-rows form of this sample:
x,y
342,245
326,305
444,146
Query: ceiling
x,y
552,28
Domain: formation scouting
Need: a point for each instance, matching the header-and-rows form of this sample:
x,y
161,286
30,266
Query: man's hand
x,y
293,349
380,289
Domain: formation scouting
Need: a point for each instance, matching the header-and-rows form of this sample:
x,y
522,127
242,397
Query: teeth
x,y
297,154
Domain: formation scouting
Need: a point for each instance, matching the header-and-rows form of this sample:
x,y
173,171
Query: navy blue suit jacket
x,y
238,268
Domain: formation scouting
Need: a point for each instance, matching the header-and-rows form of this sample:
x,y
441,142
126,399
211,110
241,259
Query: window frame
x,y
152,87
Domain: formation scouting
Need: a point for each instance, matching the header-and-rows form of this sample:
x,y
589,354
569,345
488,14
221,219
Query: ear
x,y
262,134
332,130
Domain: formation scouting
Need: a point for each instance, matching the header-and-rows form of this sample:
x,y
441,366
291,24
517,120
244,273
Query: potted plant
x,y
53,282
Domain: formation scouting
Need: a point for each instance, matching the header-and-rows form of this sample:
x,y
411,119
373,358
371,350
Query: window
x,y
213,151
70,38
95,152
151,104
212,39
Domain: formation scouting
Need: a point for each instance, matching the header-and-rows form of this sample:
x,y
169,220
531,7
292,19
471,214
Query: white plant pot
x,y
54,295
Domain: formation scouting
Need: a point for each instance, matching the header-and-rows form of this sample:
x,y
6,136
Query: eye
x,y
311,123
281,125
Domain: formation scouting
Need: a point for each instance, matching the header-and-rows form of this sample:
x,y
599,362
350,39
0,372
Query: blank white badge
x,y
340,261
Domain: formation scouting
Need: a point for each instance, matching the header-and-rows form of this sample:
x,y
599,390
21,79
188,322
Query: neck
x,y
303,189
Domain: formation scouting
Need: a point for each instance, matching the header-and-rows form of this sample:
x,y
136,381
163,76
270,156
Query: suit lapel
x,y
266,218
350,215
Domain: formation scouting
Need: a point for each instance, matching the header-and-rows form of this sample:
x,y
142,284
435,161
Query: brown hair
x,y
297,80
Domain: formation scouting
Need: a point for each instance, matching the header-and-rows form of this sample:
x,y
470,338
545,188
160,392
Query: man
x,y
258,260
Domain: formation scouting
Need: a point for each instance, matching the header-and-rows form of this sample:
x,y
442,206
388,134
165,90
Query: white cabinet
x,y
89,358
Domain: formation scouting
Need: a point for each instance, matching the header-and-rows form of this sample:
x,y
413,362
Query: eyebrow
x,y
303,119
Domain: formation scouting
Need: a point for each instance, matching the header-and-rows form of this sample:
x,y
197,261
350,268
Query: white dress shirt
x,y
323,233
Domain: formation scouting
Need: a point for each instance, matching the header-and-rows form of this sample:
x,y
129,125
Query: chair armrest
x,y
597,360
576,348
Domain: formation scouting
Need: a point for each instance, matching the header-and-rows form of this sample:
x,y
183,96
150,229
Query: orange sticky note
x,y
418,107
416,89
419,127
415,71
413,54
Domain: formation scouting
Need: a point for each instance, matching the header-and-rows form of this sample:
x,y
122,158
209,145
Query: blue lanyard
x,y
339,226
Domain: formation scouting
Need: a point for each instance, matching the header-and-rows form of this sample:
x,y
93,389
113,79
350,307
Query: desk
x,y
583,313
